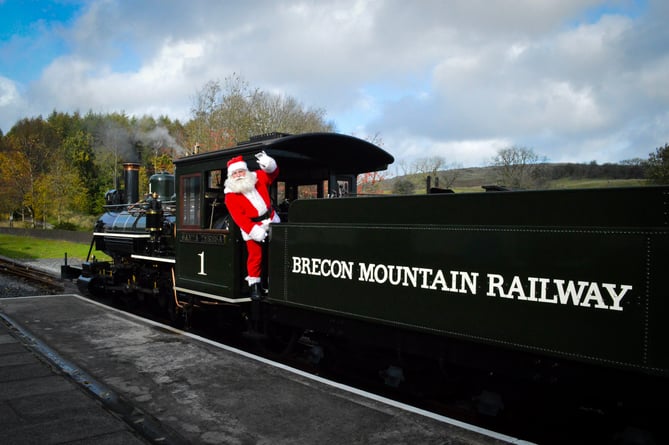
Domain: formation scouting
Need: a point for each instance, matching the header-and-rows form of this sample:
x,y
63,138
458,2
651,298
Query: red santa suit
x,y
250,208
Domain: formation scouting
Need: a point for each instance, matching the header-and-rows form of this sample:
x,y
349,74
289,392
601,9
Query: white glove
x,y
265,224
258,234
265,162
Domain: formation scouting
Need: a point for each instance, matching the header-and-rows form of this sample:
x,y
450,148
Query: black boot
x,y
256,292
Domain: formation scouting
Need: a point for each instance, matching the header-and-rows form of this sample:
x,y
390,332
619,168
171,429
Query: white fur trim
x,y
252,280
267,163
241,165
258,233
239,185
256,200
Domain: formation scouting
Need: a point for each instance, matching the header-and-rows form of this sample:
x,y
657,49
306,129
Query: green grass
x,y
567,183
28,248
590,183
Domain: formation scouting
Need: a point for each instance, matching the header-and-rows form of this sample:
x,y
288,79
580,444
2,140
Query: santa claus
x,y
247,200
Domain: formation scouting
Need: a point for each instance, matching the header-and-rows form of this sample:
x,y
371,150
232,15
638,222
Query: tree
x,y
657,168
369,182
78,150
403,168
429,166
519,167
226,115
14,181
65,191
403,187
441,174
36,141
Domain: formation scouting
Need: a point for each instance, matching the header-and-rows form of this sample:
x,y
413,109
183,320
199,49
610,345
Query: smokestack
x,y
131,179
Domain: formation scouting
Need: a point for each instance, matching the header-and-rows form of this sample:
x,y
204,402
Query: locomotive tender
x,y
510,279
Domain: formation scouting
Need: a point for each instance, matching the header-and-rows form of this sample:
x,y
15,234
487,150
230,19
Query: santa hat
x,y
236,163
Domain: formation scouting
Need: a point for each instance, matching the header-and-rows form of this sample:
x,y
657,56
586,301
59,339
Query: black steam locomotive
x,y
565,284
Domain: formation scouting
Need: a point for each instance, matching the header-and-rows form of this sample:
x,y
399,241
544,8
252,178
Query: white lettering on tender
x,y
462,282
577,293
323,267
566,292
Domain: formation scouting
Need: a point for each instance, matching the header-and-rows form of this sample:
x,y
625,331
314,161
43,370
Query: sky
x,y
573,80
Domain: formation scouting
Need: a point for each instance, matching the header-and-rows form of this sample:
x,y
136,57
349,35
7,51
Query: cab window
x,y
190,200
216,214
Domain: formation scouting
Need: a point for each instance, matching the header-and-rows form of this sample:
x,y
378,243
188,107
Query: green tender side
x,y
578,274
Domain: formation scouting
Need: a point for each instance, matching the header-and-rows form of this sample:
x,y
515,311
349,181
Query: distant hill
x,y
549,175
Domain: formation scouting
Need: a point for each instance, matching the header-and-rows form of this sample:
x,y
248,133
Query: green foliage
x,y
66,225
55,167
403,187
37,140
657,168
14,180
78,149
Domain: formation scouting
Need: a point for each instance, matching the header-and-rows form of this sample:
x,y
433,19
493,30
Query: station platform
x,y
75,371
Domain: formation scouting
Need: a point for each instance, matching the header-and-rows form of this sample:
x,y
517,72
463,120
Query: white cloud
x,y
459,78
455,153
9,94
11,104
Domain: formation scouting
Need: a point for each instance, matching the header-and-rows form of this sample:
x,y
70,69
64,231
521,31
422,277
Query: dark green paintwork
x,y
616,236
304,158
590,238
206,262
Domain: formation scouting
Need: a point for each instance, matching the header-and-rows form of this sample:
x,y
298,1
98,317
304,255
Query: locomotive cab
x,y
209,246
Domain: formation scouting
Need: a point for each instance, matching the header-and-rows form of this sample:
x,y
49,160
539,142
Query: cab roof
x,y
309,155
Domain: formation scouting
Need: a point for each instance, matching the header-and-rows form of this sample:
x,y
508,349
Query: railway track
x,y
37,277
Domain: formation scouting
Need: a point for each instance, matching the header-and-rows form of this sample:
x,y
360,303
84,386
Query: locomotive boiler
x,y
139,238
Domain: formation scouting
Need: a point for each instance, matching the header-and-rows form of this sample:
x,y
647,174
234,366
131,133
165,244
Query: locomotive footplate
x,y
207,392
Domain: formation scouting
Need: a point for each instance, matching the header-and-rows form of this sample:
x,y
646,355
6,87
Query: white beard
x,y
243,184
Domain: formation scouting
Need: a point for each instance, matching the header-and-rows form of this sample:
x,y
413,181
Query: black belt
x,y
265,215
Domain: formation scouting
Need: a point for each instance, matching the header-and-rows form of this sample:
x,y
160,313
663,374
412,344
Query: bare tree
x,y
441,174
450,175
429,165
518,167
403,168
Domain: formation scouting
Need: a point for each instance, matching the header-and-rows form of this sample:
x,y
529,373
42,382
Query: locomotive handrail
x,y
139,203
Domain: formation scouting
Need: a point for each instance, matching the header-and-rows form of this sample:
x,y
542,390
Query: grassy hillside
x,y
474,178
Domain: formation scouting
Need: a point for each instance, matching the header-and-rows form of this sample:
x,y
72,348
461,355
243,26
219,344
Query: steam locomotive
x,y
563,284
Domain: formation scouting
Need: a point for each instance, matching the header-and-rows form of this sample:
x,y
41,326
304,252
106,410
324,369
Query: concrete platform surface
x,y
41,405
179,388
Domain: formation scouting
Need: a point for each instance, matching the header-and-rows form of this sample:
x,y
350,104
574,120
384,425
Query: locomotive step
x,y
204,392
